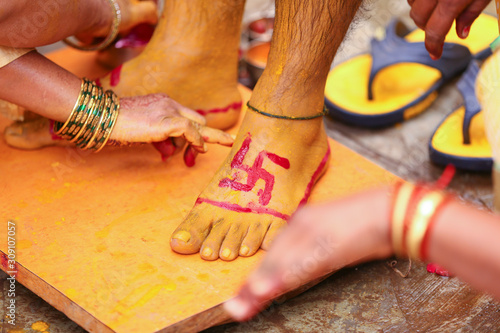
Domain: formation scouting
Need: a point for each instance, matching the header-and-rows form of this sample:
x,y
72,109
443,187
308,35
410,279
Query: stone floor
x,y
371,297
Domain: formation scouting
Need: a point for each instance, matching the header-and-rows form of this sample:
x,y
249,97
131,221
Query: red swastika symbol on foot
x,y
255,172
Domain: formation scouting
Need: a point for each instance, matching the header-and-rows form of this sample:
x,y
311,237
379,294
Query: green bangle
x,y
90,129
87,116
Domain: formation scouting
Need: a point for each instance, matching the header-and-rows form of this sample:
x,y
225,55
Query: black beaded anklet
x,y
323,113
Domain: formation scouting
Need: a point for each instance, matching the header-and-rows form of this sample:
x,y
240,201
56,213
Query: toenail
x,y
261,287
207,252
226,253
182,236
244,250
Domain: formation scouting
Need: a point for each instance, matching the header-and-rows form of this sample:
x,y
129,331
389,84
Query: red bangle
x,y
419,191
424,247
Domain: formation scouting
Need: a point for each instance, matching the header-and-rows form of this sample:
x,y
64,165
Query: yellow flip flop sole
x,y
401,90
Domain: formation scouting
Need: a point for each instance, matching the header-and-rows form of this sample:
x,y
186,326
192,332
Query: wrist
x,y
373,209
413,212
102,21
381,201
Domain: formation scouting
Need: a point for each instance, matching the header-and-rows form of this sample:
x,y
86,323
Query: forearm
x,y
35,83
32,23
466,241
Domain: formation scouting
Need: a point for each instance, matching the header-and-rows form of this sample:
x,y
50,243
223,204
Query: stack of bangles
x,y
415,208
93,117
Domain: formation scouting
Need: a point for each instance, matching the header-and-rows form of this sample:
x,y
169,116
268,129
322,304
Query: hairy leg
x,y
274,162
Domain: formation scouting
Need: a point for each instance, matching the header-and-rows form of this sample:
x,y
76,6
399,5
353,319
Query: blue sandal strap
x,y
395,49
466,85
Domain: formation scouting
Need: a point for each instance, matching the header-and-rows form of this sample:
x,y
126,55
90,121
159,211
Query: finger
x,y
190,156
212,135
245,305
254,296
191,115
468,16
270,279
166,148
437,28
410,2
421,11
189,129
144,12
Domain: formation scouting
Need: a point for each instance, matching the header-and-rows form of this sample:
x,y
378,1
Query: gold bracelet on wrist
x,y
116,108
115,28
94,115
87,115
92,119
401,202
60,128
102,114
423,215
415,208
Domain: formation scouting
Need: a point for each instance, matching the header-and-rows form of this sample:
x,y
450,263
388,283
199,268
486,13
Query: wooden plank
x,y
93,230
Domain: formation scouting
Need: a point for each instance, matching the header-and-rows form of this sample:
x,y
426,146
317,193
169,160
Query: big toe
x,y
189,236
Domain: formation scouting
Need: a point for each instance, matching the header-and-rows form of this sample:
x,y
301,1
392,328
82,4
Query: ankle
x,y
287,100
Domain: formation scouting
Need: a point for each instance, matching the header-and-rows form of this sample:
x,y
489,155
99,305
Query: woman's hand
x,y
318,240
160,120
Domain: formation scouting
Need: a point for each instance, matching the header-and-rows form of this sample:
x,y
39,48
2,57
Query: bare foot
x,y
270,171
32,134
192,57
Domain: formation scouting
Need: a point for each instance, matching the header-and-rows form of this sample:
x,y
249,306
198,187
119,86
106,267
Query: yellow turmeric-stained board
x,y
92,231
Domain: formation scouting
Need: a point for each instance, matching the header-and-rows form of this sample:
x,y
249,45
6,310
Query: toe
x,y
231,246
252,241
275,228
211,245
189,236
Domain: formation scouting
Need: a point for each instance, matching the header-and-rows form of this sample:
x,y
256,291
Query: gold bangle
x,y
106,122
59,128
96,130
116,107
423,215
86,117
92,119
95,114
398,216
75,125
91,128
115,28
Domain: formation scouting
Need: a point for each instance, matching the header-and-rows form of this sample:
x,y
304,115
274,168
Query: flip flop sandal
x,y
461,139
398,79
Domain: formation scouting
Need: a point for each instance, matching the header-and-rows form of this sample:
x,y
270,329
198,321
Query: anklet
x,y
323,113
